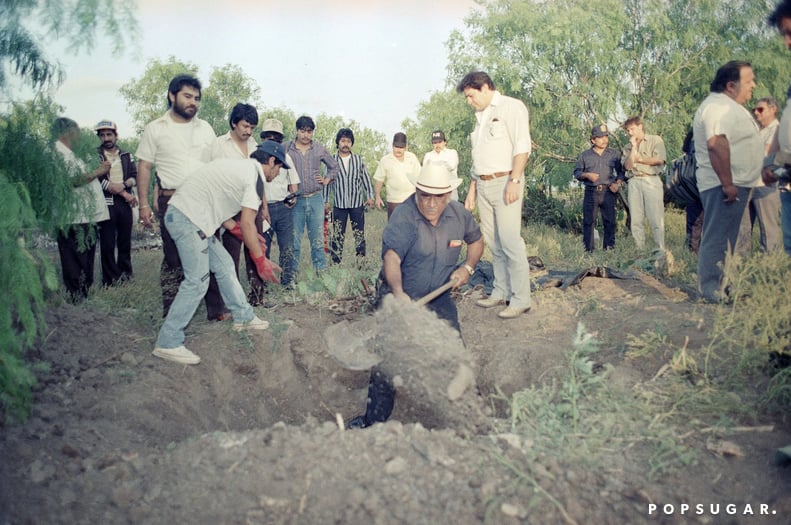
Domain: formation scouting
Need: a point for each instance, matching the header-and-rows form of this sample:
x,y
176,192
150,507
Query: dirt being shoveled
x,y
250,434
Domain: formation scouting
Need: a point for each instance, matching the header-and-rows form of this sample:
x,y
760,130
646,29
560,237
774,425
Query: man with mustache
x,y
352,193
176,143
238,143
116,234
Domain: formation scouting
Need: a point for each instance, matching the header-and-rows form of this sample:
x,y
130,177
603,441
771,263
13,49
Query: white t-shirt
x,y
217,191
449,158
177,149
277,190
89,204
719,114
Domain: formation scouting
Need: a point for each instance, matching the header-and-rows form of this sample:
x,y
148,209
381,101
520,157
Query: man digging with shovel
x,y
421,245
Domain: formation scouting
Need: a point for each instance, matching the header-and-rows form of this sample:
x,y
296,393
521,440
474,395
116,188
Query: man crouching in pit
x,y
421,245
206,200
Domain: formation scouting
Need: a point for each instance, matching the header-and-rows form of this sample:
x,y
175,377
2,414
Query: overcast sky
x,y
372,61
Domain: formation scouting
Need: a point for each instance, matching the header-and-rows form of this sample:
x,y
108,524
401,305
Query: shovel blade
x,y
348,344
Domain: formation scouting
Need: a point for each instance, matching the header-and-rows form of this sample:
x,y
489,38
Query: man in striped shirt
x,y
308,156
352,193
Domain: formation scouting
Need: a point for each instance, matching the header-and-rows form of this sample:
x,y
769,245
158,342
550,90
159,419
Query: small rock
x,y
514,511
396,465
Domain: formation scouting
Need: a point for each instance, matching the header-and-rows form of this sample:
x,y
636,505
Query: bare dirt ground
x,y
250,435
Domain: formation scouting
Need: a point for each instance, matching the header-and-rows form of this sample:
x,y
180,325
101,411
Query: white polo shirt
x,y
177,149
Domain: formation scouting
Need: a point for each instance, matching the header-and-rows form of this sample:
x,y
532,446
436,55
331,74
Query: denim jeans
x,y
785,219
309,211
282,221
199,253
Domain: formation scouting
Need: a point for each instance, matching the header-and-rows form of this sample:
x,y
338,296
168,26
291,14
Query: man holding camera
x,y
281,198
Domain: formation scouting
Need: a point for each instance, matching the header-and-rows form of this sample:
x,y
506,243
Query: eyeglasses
x,y
759,109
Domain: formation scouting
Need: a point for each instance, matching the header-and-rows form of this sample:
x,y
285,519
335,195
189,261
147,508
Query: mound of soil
x,y
252,434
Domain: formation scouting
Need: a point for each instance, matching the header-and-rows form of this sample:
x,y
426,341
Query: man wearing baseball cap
x,y
208,199
115,235
421,245
441,154
281,196
599,169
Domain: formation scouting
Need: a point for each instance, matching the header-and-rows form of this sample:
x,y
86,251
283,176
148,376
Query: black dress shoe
x,y
356,422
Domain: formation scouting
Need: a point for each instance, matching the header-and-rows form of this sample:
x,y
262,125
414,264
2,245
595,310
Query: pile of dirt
x,y
251,435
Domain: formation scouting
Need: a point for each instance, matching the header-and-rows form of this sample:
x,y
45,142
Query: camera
x,y
783,175
290,200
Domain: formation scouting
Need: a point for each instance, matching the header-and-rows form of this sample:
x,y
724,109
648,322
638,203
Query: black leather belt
x,y
596,187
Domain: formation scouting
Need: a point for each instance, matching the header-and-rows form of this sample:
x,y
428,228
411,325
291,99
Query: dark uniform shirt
x,y
429,254
607,165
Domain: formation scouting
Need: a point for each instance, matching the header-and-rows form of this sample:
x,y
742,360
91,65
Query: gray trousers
x,y
764,208
721,223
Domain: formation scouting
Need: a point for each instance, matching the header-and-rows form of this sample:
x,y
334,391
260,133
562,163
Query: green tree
x,y
578,64
35,192
23,53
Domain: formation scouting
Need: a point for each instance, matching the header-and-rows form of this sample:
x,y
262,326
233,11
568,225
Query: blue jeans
x,y
309,212
785,219
199,253
282,221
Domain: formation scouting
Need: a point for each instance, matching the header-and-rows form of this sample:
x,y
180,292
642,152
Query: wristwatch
x,y
469,268
516,180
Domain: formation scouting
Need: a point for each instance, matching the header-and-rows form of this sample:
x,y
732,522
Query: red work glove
x,y
266,269
236,231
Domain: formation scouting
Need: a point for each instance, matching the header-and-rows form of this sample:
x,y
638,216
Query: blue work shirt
x,y
607,165
429,254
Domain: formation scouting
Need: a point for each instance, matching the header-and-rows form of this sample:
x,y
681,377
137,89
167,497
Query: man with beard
x,y
176,143
238,143
353,192
116,234
308,156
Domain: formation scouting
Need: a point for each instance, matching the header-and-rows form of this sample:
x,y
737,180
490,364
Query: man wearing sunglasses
x,y
765,201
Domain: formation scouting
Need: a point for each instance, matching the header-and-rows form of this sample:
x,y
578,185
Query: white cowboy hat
x,y
435,179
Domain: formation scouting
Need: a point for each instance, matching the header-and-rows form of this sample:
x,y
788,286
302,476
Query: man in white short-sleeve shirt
x,y
177,143
501,145
210,198
729,154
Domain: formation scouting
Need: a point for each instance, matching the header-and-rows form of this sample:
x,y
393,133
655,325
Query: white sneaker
x,y
255,324
180,354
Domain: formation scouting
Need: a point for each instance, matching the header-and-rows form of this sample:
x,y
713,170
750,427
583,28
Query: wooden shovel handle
x,y
435,293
